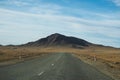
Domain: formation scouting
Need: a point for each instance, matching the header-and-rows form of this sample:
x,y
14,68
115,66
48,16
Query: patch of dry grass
x,y
108,59
10,53
108,54
104,59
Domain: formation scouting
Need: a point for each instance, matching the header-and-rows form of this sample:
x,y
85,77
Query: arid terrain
x,y
107,60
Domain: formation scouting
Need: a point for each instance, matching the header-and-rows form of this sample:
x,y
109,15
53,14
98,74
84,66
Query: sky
x,y
97,21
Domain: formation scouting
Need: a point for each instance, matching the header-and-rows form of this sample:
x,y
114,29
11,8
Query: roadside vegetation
x,y
105,59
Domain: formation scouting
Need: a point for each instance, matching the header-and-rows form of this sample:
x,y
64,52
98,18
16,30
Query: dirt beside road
x,y
57,66
108,67
107,59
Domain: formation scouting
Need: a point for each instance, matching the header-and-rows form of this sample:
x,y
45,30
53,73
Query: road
x,y
57,66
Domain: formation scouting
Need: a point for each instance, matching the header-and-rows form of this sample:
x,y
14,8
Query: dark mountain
x,y
60,40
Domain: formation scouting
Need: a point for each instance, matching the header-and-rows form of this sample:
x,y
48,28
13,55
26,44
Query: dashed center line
x,y
43,71
52,64
40,73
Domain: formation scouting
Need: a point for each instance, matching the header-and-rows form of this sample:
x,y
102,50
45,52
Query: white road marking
x,y
40,73
52,64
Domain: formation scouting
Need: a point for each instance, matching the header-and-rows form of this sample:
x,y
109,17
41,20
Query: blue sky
x,y
97,21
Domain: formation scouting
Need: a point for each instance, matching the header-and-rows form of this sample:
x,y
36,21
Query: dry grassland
x,y
106,59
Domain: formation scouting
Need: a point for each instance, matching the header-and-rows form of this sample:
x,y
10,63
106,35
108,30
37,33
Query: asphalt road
x,y
59,66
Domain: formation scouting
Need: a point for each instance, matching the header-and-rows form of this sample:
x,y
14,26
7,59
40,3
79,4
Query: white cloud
x,y
18,3
28,21
46,9
44,19
116,2
33,6
37,20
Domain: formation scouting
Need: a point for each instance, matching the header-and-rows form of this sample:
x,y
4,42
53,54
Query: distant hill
x,y
60,40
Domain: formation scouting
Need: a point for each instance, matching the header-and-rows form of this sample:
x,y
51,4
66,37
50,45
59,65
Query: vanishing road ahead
x,y
57,66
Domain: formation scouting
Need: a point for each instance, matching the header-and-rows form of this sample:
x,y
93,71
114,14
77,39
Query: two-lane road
x,y
57,66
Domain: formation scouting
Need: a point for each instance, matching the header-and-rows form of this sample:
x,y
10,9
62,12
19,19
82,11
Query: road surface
x,y
57,66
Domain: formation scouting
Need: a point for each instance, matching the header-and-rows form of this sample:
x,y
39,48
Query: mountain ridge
x,y
57,39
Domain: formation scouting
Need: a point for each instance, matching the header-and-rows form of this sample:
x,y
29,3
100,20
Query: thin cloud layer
x,y
29,21
116,2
